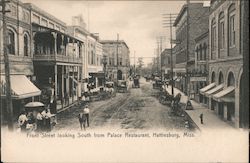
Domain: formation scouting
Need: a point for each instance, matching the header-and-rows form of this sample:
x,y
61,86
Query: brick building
x,y
225,61
117,68
199,78
20,54
197,16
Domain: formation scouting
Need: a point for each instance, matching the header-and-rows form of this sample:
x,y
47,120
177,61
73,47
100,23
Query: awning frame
x,y
216,89
224,95
206,88
16,90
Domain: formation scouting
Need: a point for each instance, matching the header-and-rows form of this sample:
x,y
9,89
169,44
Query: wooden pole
x,y
9,105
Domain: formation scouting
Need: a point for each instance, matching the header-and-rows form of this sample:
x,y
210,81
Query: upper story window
x,y
213,36
221,78
230,80
26,45
204,51
213,77
197,53
221,31
11,42
200,51
231,21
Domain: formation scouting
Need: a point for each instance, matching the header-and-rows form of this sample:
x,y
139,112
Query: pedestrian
x,y
30,126
47,119
39,119
201,117
22,121
86,113
82,120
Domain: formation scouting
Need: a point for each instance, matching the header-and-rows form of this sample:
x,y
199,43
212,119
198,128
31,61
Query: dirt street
x,y
137,109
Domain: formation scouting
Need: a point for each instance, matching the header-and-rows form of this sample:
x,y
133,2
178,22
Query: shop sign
x,y
198,79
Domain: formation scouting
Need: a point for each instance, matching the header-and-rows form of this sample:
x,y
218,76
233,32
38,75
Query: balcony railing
x,y
57,58
16,58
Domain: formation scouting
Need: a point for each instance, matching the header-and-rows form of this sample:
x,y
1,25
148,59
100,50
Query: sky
x,y
138,23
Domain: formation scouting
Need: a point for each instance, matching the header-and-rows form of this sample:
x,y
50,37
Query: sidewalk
x,y
210,119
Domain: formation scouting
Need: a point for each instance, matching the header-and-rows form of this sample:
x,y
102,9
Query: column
x,y
55,98
237,107
55,42
73,67
62,46
33,44
225,111
78,82
67,84
63,99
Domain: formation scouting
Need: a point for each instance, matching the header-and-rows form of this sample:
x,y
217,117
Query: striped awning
x,y
216,89
226,95
206,88
21,87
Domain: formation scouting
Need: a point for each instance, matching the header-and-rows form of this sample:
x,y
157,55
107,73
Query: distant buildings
x,y
118,61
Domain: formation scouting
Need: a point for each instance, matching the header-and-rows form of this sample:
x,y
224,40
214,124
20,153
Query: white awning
x,y
206,88
21,87
226,95
214,90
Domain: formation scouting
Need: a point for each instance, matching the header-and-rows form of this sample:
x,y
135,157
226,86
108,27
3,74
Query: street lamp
x,y
104,62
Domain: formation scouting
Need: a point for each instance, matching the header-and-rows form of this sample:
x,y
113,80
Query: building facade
x,y
56,59
166,63
199,79
197,17
118,61
225,61
20,54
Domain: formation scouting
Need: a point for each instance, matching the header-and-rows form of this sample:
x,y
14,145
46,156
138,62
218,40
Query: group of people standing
x,y
35,121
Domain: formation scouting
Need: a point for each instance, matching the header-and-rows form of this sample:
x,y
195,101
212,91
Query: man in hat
x,y
86,113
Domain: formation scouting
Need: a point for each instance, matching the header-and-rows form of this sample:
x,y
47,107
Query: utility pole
x,y
187,55
157,55
134,64
169,24
7,68
117,60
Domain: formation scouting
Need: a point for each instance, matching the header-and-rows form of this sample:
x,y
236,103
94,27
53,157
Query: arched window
x,y
230,79
204,51
221,78
221,31
26,45
213,77
197,53
213,36
231,25
11,42
200,51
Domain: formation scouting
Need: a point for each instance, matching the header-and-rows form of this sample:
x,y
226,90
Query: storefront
x,y
210,93
226,99
22,92
205,89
